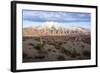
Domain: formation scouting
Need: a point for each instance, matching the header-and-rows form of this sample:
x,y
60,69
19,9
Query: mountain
x,y
54,29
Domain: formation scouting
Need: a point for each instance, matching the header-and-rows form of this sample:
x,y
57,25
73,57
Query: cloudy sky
x,y
65,19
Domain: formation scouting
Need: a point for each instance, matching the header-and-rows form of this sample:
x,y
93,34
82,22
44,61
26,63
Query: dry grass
x,y
56,48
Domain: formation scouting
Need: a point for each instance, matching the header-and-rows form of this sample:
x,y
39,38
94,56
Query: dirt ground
x,y
56,48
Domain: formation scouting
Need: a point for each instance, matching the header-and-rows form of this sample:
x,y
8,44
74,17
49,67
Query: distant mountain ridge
x,y
54,29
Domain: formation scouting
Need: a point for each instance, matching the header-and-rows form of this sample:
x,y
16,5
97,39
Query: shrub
x,y
31,44
37,47
39,57
86,53
37,39
61,58
24,55
74,53
29,57
65,51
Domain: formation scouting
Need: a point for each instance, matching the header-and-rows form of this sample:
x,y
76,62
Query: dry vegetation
x,y
56,48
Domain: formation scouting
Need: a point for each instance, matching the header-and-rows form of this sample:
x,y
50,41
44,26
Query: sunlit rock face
x,y
54,29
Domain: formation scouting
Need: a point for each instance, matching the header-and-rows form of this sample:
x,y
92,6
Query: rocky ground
x,y
56,48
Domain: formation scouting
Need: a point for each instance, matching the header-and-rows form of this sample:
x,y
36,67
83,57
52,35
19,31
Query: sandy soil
x,y
56,48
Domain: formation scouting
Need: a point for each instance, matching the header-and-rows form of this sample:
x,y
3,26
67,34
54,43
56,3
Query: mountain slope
x,y
54,29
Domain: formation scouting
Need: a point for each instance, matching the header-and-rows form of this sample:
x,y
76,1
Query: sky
x,y
65,19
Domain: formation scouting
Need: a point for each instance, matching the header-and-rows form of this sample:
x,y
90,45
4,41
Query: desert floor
x,y
56,48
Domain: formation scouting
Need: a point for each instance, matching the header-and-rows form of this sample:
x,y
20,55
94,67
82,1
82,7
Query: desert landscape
x,y
55,36
56,43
